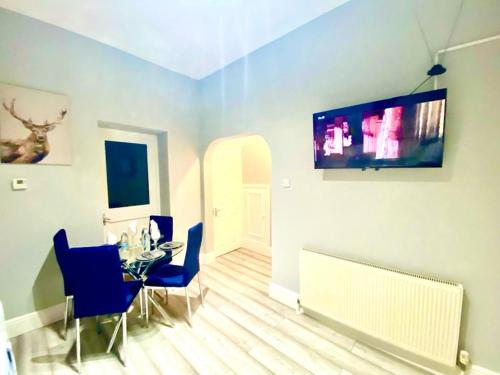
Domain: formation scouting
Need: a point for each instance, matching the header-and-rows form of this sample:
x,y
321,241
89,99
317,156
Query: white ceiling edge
x,y
194,38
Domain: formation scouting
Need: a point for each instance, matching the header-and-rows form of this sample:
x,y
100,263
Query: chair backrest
x,y
96,277
192,259
61,249
165,225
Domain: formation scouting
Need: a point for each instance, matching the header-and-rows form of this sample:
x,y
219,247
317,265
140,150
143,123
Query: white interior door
x,y
130,179
227,196
257,218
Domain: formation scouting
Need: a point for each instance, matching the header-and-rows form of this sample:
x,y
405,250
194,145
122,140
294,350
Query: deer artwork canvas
x,y
34,127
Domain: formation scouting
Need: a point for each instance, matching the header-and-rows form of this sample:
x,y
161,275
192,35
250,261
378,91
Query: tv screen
x,y
406,131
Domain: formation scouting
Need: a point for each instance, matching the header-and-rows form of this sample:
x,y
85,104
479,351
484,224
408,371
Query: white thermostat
x,y
19,184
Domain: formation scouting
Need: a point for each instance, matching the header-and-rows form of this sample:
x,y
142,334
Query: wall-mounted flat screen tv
x,y
402,132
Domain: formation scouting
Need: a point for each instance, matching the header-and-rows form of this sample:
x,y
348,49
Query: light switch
x,y
19,184
286,183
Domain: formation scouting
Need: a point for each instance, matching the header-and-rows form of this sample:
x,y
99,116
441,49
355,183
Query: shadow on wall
x,y
389,174
48,287
464,323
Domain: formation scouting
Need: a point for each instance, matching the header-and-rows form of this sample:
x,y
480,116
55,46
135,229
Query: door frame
x,y
208,252
163,161
122,214
207,189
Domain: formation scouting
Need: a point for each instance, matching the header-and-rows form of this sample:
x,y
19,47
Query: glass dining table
x,y
136,262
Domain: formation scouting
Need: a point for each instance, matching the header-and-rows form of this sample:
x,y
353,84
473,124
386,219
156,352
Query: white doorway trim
x,y
215,166
151,142
209,254
161,161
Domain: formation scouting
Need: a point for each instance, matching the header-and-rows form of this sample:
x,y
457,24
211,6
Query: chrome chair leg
x,y
146,304
71,312
188,305
78,355
113,336
142,305
201,291
124,331
66,312
162,312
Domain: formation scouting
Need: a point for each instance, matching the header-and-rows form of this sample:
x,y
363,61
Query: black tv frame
x,y
370,163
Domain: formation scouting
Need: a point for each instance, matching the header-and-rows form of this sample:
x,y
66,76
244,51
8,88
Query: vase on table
x,y
155,233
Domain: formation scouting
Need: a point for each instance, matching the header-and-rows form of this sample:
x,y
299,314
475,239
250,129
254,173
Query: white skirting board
x,y
210,256
477,370
256,246
25,323
207,258
283,295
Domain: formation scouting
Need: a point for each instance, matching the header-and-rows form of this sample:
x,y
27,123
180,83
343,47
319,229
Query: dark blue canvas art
x,y
127,174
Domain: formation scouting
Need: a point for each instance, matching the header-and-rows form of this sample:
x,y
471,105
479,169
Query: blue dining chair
x,y
61,249
179,276
166,227
99,289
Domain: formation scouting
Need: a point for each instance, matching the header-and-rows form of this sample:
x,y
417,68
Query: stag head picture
x,y
34,128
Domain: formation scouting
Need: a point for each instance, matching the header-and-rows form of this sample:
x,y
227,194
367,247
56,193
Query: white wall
x,y
256,161
103,85
440,222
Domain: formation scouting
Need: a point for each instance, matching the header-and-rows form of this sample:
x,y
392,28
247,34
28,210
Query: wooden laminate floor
x,y
240,330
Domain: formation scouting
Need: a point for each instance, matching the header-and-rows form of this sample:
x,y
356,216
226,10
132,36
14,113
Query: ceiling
x,y
191,37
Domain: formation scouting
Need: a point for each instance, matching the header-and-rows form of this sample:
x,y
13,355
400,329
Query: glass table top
x,y
136,261
132,253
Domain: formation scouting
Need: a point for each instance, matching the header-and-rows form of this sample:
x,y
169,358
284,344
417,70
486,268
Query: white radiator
x,y
416,313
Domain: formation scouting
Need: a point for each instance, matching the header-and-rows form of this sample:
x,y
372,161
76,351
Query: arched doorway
x,y
237,180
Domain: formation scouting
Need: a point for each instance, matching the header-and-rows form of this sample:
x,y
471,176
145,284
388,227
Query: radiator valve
x,y
464,357
298,308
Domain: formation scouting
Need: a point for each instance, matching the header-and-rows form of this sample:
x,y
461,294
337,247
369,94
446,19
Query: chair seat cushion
x,y
132,288
167,276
